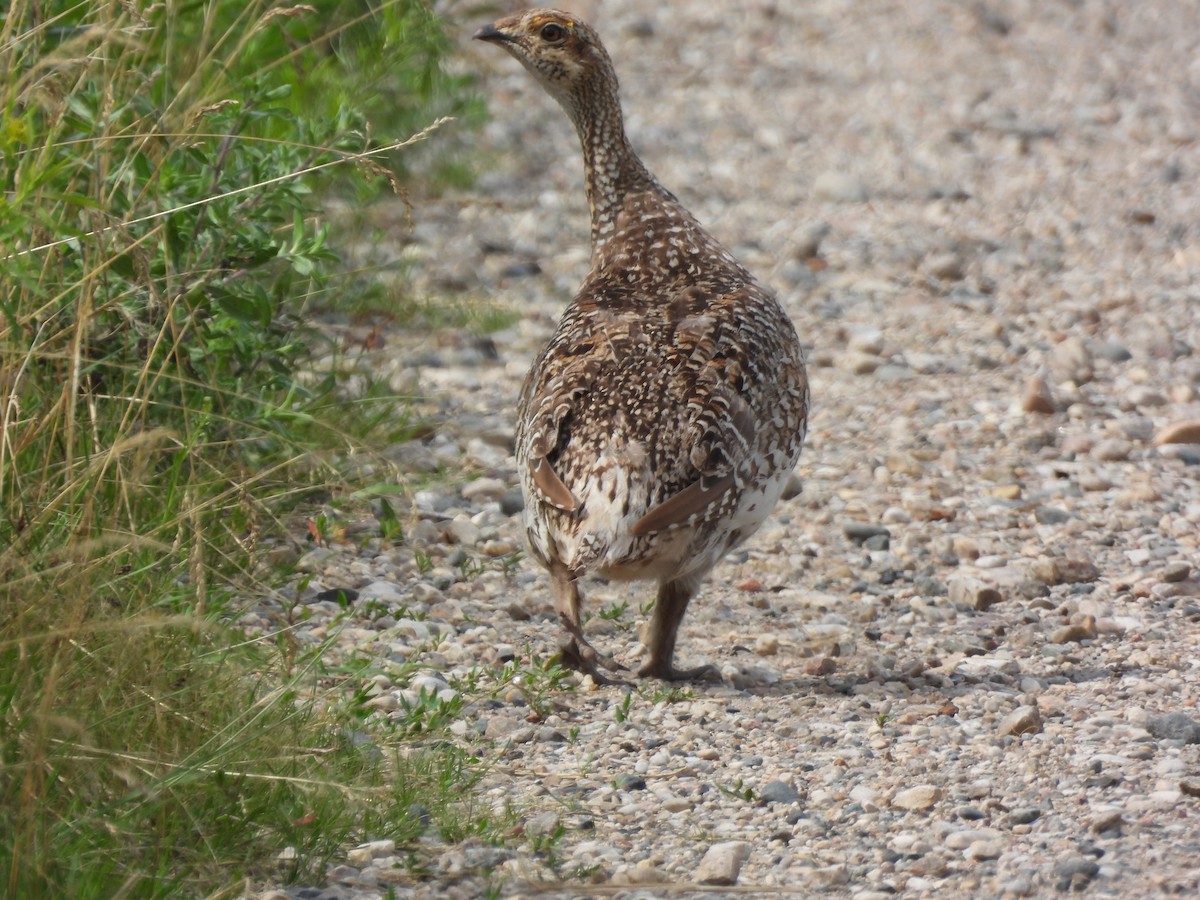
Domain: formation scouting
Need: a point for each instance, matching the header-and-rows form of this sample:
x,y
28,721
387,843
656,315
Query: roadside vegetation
x,y
161,248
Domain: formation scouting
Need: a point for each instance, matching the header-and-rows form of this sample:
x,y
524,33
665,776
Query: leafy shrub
x,y
158,250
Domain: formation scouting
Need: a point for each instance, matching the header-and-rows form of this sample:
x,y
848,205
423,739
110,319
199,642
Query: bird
x,y
658,427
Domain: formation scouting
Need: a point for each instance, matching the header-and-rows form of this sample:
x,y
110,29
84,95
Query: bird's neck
x,y
612,170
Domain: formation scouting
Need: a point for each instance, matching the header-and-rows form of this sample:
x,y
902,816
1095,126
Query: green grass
x,y
160,249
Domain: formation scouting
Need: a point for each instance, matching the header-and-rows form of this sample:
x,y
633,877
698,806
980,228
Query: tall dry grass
x,y
158,247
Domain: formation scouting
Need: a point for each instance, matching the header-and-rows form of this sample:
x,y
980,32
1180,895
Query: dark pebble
x,y
420,813
1051,515
970,813
860,532
1112,351
1108,822
1024,815
522,269
1175,727
1075,871
629,783
517,612
929,586
336,595
779,792
512,503
878,542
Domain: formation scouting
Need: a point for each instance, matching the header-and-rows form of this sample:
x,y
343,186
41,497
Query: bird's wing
x,y
681,372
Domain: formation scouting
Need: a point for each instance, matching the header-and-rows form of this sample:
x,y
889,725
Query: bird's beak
x,y
491,33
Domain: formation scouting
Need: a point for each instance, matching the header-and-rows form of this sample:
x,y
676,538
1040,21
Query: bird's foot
x,y
667,672
583,657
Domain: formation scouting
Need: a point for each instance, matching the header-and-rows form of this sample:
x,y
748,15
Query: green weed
x,y
160,251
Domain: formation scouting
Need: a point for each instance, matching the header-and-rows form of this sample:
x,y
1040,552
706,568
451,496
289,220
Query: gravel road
x,y
962,658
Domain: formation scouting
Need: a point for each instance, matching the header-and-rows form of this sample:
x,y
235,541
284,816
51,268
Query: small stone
x,y
344,596
1070,360
364,854
645,872
482,489
1175,727
766,645
866,339
497,549
1112,450
751,586
819,666
543,824
1175,572
984,850
779,792
896,515
860,363
808,244
1190,787
1113,352
629,783
316,559
1023,815
462,531
512,503
1038,398
971,592
1005,492
1031,589
961,840
500,727
1093,481
1022,720
1186,432
945,266
518,612
1141,396
794,487
1021,886
860,532
866,797
1053,570
919,798
827,877
1083,630
723,862
1107,820
838,187
1076,871
1051,515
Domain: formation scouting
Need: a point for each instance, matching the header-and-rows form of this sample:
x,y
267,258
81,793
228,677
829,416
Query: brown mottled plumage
x,y
658,427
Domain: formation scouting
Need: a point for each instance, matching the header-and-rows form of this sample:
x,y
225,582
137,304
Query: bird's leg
x,y
669,607
576,652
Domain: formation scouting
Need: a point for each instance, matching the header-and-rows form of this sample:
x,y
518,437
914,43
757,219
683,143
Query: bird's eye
x,y
553,33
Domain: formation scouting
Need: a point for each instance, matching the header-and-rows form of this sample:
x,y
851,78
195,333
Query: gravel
x,y
960,658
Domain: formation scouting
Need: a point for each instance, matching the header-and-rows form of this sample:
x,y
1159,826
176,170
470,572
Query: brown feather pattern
x,y
657,428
